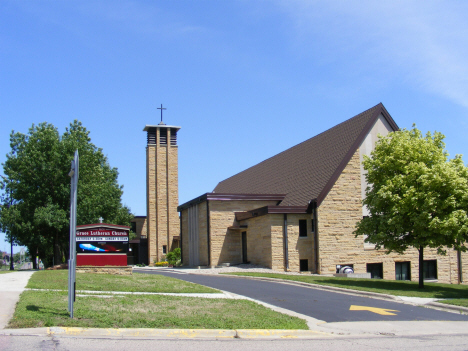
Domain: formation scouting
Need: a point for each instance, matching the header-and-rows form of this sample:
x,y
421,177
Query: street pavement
x,y
426,343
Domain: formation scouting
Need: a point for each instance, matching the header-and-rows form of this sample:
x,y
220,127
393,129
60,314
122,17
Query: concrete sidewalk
x,y
11,286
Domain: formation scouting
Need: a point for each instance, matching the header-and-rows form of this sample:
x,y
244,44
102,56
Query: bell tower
x,y
162,190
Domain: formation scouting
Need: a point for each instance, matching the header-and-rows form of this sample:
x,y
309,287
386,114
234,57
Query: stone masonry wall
x,y
300,248
277,245
337,217
202,234
258,240
173,195
161,202
162,198
141,229
226,244
184,237
151,200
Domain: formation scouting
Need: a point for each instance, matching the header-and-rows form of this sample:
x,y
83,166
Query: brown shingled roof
x,y
308,170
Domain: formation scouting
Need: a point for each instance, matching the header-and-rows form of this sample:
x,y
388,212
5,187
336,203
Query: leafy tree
x,y
36,176
416,197
8,215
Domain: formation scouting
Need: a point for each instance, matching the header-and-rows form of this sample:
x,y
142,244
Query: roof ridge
x,y
302,142
309,169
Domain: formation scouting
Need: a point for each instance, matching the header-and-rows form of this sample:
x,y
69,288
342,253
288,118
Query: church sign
x,y
102,244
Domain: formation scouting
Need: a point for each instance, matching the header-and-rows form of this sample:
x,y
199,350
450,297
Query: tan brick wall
x,y
151,200
337,217
184,239
202,235
226,244
300,248
162,198
161,203
277,245
258,240
141,229
173,196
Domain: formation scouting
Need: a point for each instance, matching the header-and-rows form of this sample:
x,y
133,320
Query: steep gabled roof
x,y
308,170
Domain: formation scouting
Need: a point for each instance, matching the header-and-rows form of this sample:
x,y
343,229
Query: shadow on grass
x,y
392,287
437,290
47,311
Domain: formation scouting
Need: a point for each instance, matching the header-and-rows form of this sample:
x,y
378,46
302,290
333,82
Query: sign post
x,y
72,258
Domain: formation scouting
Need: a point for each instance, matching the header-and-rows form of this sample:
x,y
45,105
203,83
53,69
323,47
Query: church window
x,y
430,269
302,227
402,270
164,249
375,269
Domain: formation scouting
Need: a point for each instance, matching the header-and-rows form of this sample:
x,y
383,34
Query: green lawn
x,y
106,282
48,308
456,302
391,287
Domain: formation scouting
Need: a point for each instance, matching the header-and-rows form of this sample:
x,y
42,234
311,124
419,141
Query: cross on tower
x,y
162,108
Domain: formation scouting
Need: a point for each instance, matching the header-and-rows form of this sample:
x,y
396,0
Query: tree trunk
x,y
421,267
57,256
33,258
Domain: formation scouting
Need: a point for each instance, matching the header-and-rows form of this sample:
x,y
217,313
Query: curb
x,y
168,333
448,307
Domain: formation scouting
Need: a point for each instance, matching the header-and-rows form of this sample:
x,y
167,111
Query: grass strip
x,y
390,287
456,302
49,308
106,282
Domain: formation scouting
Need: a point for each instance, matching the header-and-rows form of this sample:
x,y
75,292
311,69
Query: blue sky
x,y
244,79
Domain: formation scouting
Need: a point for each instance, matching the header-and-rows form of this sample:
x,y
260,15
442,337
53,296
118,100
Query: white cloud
x,y
423,43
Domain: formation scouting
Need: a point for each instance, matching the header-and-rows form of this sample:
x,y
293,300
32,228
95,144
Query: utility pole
x,y
72,260
12,267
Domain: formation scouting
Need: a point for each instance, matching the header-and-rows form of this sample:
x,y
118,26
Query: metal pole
x,y
72,256
12,267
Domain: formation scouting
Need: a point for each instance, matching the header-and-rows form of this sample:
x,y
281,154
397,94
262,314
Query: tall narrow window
x,y
430,269
302,227
402,270
164,249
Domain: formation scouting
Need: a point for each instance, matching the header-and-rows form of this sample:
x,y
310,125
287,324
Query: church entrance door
x,y
244,247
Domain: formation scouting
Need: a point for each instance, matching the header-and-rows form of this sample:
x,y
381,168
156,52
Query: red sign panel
x,y
101,260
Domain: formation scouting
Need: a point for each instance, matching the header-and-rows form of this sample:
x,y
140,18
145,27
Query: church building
x,y
295,211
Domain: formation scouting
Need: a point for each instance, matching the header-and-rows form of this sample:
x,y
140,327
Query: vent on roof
x,y
173,136
163,136
152,136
